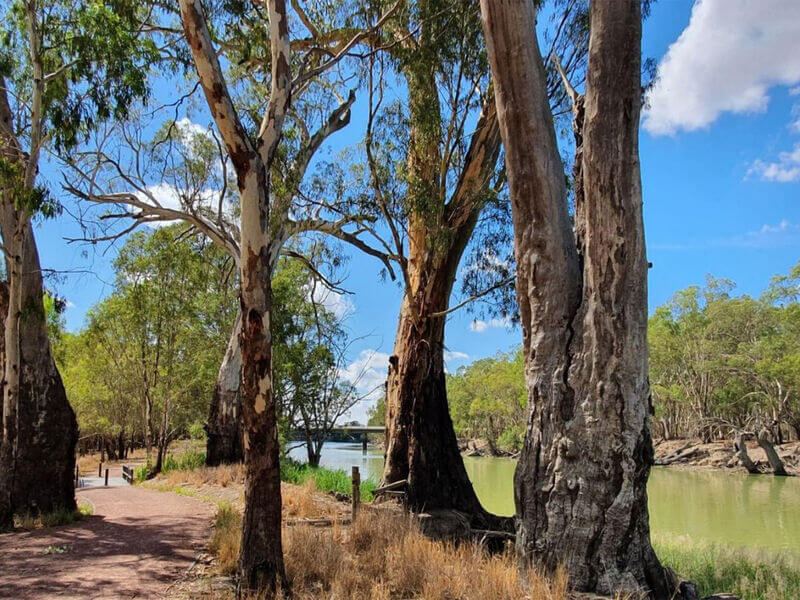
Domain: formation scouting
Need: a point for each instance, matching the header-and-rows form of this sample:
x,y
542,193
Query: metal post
x,y
106,477
355,495
364,444
77,476
100,469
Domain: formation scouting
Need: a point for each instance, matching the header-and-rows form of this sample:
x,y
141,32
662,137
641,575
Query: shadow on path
x,y
135,545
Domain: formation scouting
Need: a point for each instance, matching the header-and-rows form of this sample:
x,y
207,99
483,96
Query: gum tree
x,y
53,87
580,484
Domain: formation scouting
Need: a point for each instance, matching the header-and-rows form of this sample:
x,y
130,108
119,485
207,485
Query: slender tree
x,y
580,485
266,224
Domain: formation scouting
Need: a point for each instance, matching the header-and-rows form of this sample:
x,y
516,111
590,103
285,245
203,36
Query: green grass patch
x,y
61,516
326,480
292,471
750,574
187,461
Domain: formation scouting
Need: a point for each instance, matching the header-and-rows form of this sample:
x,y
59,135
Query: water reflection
x,y
728,509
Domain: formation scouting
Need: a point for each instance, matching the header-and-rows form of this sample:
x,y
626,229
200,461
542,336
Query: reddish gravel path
x,y
135,545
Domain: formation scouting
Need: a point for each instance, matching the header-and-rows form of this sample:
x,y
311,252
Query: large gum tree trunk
x,y
421,445
37,460
580,484
224,428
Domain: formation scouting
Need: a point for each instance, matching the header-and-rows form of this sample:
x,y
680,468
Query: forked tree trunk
x,y
421,444
37,460
580,484
224,428
261,567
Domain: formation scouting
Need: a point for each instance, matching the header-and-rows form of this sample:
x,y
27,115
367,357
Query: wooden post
x,y
364,443
106,477
77,476
356,494
100,469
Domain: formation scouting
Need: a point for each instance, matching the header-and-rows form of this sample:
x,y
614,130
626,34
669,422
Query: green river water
x,y
749,511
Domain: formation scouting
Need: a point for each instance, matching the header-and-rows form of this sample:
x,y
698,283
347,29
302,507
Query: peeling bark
x,y
580,484
421,444
37,459
224,428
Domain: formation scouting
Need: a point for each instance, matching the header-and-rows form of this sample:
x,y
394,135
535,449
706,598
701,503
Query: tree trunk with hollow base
x,y
37,457
224,428
580,484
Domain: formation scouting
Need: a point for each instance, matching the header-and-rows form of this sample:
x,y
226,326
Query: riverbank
x,y
683,453
720,456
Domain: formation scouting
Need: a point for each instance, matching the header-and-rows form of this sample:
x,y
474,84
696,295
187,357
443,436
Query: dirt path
x,y
135,545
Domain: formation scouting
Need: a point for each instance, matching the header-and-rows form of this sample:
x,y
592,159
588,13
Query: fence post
x,y
356,494
106,476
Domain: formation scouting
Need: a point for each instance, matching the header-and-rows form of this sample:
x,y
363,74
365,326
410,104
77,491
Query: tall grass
x,y
750,574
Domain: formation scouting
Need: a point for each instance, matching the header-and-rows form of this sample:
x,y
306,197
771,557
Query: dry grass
x,y
383,556
223,476
88,463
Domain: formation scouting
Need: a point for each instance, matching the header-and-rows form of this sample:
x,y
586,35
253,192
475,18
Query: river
x,y
752,511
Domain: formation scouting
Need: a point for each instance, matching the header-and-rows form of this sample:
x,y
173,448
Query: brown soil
x,y
137,544
720,456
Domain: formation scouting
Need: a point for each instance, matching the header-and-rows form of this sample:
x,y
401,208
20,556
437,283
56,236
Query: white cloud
x,y
367,373
339,304
480,326
454,355
725,60
168,196
785,170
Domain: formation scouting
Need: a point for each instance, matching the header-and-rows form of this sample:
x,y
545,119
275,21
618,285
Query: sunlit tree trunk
x,y
224,428
37,460
580,485
421,445
261,555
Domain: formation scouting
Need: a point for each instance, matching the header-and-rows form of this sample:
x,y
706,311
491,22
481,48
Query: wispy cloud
x,y
479,326
783,234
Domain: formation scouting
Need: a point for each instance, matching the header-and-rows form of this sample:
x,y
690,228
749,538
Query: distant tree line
x,y
720,364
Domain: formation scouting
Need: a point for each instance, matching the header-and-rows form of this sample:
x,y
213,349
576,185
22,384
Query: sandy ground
x,y
137,544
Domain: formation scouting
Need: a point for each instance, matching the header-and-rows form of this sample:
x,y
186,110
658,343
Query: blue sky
x,y
720,152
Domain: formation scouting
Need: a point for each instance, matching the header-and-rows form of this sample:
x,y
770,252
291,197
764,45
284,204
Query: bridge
x,y
358,433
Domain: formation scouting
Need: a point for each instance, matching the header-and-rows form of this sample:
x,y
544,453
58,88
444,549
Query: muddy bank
x,y
721,455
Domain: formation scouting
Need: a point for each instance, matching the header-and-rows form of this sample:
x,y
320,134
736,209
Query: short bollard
x,y
100,470
77,476
356,494
106,477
